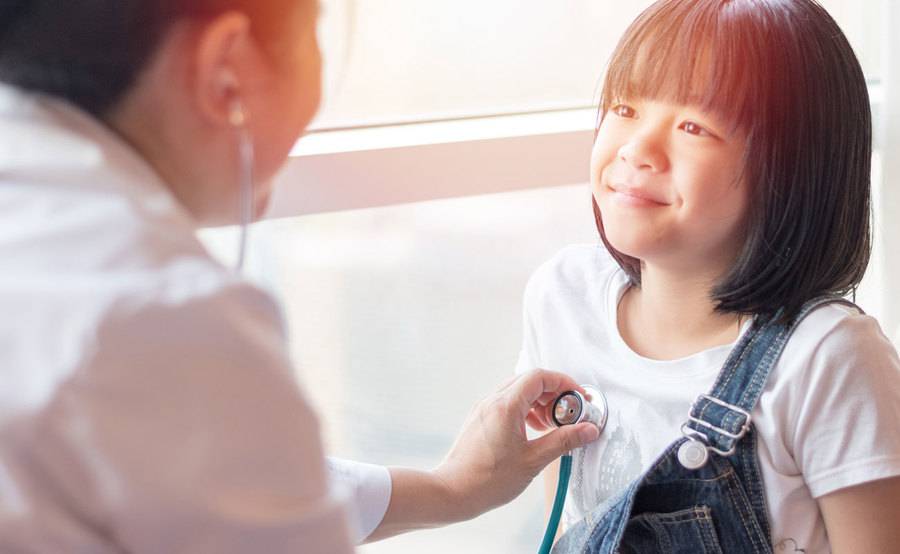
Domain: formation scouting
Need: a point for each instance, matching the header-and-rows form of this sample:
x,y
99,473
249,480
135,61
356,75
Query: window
x,y
413,60
409,60
400,251
403,317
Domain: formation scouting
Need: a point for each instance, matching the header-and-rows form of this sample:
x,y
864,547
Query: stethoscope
x,y
571,408
238,120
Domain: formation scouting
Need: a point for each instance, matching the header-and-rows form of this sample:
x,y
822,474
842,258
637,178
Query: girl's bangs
x,y
695,53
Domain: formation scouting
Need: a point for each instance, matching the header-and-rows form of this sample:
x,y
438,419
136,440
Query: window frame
x,y
886,107
367,167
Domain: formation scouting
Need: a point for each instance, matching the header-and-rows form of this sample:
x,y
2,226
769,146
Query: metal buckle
x,y
736,436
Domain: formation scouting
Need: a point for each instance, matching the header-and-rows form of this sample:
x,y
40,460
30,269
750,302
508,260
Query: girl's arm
x,y
864,518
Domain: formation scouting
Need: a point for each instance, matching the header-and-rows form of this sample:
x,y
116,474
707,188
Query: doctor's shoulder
x,y
206,305
219,341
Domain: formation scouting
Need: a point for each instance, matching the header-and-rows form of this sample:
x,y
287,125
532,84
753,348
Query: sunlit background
x,y
408,60
402,316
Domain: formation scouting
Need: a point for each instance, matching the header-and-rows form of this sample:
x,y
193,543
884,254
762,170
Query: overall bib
x,y
719,507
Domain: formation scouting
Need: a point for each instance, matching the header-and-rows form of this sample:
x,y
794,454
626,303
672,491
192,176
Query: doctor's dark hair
x,y
90,52
782,73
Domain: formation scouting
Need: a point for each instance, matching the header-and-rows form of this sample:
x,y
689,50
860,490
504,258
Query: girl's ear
x,y
222,54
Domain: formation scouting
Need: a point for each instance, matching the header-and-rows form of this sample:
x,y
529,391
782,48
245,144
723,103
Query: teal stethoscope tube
x,y
571,408
565,470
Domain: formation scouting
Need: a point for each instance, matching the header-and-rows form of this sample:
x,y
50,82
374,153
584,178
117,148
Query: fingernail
x,y
588,433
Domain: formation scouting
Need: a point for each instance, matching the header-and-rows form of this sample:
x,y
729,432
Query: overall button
x,y
693,454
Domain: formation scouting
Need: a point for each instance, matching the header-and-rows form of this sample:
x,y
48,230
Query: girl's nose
x,y
644,152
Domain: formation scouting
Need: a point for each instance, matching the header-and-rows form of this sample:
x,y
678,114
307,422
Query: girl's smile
x,y
637,196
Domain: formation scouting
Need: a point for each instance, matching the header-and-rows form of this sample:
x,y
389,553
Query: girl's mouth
x,y
636,196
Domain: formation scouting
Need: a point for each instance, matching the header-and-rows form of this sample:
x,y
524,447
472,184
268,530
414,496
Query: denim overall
x,y
721,506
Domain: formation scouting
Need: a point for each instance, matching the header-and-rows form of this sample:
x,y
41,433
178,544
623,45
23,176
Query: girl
x,y
749,410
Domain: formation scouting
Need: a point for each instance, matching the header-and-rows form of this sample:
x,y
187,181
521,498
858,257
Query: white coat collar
x,y
43,139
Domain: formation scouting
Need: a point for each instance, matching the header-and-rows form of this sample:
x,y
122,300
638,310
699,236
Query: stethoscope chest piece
x,y
572,407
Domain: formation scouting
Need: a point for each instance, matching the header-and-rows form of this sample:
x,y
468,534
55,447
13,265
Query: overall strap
x,y
722,417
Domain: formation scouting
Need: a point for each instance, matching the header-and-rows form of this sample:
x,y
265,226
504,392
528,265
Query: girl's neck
x,y
672,316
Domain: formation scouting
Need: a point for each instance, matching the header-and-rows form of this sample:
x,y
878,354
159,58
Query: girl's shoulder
x,y
838,331
574,264
833,400
575,271
838,347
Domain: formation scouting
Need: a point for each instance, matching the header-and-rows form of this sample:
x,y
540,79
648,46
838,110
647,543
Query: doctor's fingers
x,y
538,388
562,440
509,383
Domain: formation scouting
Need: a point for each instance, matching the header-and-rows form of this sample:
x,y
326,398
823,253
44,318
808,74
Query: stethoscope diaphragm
x,y
572,407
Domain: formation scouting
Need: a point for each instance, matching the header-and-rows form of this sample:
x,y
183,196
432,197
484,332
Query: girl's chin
x,y
642,248
635,233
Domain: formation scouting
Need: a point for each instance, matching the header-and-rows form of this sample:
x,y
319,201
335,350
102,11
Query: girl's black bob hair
x,y
91,53
783,73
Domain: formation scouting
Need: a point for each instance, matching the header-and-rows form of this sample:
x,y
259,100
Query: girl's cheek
x,y
602,155
596,168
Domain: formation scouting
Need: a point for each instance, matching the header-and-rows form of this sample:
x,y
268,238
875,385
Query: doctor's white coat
x,y
147,403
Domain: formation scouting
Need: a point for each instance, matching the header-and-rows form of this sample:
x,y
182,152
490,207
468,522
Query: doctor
x,y
146,398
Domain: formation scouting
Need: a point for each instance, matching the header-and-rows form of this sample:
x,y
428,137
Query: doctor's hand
x,y
492,460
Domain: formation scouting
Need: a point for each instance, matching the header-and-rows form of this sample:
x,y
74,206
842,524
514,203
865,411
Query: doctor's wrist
x,y
460,502
420,500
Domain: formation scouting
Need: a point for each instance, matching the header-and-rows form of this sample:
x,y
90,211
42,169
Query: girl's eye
x,y
622,110
692,128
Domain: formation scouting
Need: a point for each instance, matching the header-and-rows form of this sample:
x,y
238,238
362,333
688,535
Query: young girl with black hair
x,y
752,409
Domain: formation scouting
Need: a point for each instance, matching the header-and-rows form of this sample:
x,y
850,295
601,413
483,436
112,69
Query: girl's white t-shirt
x,y
827,419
